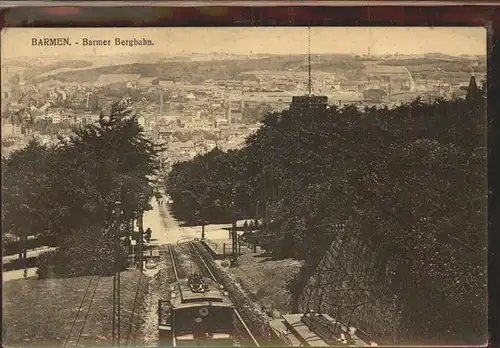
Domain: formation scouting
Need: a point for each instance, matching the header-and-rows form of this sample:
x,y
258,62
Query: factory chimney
x,y
390,88
161,102
242,101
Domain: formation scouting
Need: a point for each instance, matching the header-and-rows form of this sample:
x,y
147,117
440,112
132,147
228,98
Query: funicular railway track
x,y
243,333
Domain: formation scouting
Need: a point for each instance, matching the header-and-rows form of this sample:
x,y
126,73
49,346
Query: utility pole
x,y
235,241
202,223
25,255
116,278
234,234
140,222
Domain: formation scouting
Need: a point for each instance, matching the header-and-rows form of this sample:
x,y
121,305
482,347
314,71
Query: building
x,y
166,83
307,103
54,116
165,133
9,129
222,123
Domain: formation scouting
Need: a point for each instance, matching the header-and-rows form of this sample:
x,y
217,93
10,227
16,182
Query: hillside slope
x,y
370,289
198,71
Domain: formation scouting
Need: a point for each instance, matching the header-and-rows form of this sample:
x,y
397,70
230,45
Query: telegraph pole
x,y
140,222
116,278
140,226
25,256
202,223
235,241
234,234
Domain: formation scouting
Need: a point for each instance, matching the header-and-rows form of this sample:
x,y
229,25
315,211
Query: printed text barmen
x,y
50,41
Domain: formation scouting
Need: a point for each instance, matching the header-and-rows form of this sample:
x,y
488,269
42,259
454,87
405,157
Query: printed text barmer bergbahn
x,y
117,42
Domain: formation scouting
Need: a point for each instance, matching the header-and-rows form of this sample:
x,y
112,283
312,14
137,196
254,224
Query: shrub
x,y
12,245
67,263
79,256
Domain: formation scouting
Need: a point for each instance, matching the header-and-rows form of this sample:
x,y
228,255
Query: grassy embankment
x,y
41,312
265,280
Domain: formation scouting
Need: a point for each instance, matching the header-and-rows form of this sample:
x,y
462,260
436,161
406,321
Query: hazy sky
x,y
17,42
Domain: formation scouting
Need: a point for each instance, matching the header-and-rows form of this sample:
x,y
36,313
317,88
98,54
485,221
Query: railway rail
x,y
242,329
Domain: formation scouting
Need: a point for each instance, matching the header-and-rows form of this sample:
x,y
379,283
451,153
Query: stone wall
x,y
346,285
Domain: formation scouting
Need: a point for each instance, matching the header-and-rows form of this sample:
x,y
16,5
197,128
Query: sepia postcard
x,y
244,186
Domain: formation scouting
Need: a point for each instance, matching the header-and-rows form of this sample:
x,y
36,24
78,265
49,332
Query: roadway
x,y
167,229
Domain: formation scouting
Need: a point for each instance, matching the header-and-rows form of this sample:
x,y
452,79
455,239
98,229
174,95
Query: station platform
x,y
223,248
151,251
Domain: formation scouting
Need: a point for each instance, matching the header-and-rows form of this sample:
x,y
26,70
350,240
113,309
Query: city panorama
x,y
244,187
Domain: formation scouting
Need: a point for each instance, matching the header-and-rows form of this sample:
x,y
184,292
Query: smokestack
x,y
242,102
161,101
390,88
229,113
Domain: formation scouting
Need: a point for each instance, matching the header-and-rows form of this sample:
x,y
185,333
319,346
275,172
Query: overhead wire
x,y
88,311
84,297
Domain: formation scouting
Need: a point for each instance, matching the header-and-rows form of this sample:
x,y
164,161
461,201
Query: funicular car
x,y
198,314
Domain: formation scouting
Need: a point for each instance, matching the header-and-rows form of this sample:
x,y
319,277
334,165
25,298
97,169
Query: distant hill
x,y
198,71
34,72
454,64
439,55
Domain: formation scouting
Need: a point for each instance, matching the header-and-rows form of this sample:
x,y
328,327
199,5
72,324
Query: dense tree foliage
x,y
412,178
69,188
198,192
48,128
255,114
184,136
375,95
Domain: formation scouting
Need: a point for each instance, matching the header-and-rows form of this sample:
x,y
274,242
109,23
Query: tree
x,y
305,173
25,183
69,187
375,95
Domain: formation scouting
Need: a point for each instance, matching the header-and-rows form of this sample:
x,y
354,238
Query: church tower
x,y
472,90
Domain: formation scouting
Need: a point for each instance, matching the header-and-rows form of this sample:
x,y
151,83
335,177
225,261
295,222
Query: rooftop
x,y
182,294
